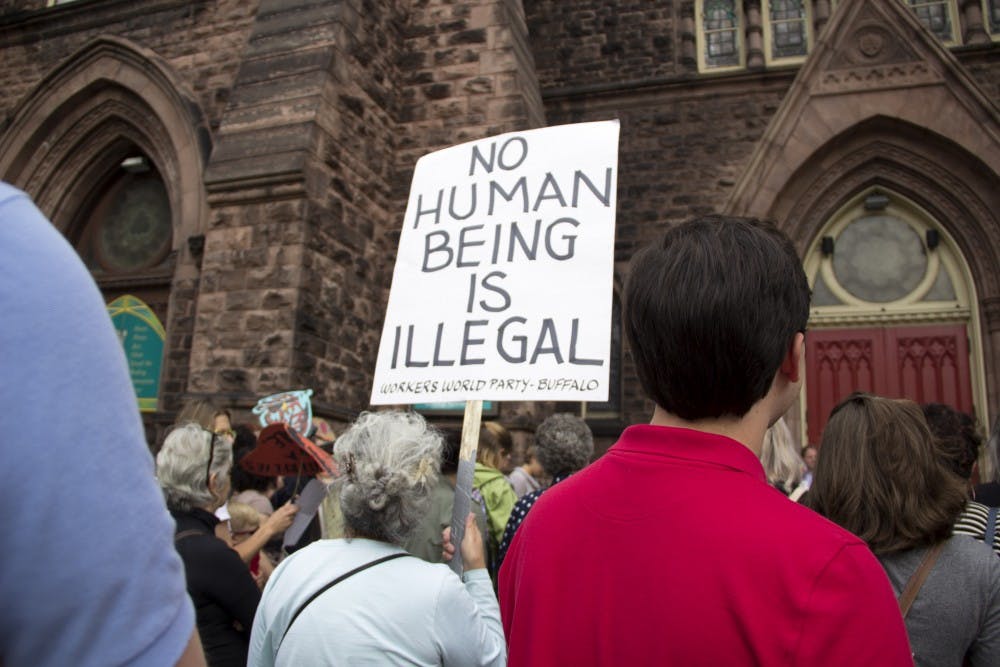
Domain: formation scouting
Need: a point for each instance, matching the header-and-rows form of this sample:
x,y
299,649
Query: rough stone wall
x,y
589,41
348,266
982,64
466,73
201,40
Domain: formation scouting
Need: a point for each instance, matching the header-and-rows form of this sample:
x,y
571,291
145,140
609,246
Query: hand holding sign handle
x,y
463,482
473,552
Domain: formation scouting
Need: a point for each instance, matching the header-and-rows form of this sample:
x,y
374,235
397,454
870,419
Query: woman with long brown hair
x,y
881,477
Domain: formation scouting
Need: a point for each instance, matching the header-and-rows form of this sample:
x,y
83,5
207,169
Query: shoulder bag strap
x,y
918,578
187,533
330,585
991,527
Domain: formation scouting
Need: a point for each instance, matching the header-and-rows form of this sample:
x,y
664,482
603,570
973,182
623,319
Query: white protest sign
x,y
503,282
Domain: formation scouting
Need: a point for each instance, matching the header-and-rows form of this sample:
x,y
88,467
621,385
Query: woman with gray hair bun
x,y
364,600
193,468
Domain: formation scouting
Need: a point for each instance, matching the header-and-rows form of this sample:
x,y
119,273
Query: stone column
x,y
754,36
971,21
689,52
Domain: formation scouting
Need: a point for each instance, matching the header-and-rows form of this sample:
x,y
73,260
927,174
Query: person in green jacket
x,y
493,457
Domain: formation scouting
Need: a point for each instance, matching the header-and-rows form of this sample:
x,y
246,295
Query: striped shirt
x,y
973,522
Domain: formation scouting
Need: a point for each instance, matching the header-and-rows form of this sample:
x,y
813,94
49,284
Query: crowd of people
x,y
705,537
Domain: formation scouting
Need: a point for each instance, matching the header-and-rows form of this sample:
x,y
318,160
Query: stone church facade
x,y
243,167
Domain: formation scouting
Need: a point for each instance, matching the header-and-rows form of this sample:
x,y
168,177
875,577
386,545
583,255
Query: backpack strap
x,y
187,533
330,585
918,578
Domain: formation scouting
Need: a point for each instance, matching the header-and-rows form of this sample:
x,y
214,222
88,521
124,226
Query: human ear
x,y
791,365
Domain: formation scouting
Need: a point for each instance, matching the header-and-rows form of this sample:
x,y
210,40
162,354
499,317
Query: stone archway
x,y
67,137
67,128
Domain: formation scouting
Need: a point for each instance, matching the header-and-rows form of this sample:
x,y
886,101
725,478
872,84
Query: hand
x,y
281,519
447,548
473,553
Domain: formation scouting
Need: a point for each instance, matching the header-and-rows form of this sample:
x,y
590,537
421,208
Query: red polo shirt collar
x,y
690,445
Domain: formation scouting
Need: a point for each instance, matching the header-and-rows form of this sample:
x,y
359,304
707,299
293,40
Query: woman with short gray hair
x,y
362,599
193,470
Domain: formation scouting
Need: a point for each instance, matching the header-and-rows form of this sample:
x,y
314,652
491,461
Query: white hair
x,y
181,466
780,457
390,462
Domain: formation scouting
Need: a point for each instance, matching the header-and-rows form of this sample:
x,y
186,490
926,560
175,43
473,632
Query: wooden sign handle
x,y
463,482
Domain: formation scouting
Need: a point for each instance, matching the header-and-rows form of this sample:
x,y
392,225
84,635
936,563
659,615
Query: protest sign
x,y
142,336
287,407
502,287
281,450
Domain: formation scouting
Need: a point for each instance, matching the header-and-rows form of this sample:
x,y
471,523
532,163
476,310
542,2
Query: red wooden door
x,y
930,365
839,361
924,364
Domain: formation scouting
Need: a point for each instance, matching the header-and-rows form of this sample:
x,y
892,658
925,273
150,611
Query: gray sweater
x,y
957,611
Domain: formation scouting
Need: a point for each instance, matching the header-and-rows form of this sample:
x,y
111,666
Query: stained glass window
x,y
130,228
788,28
720,22
992,17
936,15
879,258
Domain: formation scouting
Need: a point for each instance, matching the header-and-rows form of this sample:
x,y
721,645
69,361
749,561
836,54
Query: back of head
x,y
563,444
957,435
244,443
710,312
450,450
390,463
242,517
494,445
183,468
879,476
199,411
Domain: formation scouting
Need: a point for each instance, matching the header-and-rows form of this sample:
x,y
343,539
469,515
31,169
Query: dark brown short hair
x,y
710,313
880,476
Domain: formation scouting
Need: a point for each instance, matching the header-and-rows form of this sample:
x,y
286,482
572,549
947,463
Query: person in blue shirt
x,y
108,589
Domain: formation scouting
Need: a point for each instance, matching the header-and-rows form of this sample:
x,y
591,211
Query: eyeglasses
x,y
228,432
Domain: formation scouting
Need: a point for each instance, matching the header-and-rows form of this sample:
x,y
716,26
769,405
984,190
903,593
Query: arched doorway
x,y
112,146
892,311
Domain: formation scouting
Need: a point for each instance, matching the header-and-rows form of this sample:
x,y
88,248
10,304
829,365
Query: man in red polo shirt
x,y
672,549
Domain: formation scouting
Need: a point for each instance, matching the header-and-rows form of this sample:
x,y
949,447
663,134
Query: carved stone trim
x,y
876,77
991,313
831,320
